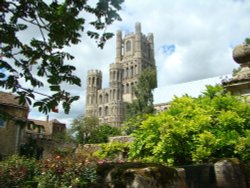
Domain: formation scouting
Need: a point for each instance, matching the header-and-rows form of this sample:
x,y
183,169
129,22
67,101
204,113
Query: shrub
x,y
66,172
112,150
195,130
15,171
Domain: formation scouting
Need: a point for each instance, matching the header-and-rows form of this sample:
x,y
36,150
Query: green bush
x,y
65,172
15,171
195,130
112,150
53,172
102,133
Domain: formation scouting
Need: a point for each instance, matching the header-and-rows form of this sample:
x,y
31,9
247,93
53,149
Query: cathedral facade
x,y
134,52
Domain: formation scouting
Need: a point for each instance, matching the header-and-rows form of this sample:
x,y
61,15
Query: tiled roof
x,y
10,100
46,124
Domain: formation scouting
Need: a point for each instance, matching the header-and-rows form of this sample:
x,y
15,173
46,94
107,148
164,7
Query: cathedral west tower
x,y
134,52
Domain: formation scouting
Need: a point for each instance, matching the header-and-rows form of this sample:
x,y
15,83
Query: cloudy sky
x,y
193,41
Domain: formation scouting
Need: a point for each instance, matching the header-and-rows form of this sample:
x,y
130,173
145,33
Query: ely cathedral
x,y
134,52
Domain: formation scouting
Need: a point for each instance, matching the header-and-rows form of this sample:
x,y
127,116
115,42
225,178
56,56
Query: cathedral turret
x,y
118,46
137,27
138,40
150,39
94,83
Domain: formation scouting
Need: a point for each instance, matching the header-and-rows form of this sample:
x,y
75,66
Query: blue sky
x,y
193,41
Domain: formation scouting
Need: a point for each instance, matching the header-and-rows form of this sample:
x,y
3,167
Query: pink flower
x,y
101,162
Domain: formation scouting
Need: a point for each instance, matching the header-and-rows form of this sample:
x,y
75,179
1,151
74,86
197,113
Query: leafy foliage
x,y
195,130
143,104
15,171
247,41
112,150
82,127
31,149
102,133
88,131
66,172
53,172
59,24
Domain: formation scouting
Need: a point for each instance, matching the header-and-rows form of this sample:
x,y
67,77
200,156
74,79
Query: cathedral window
x,y
97,81
106,111
132,71
118,94
89,81
128,46
118,75
93,80
127,88
113,94
100,111
106,98
100,98
127,73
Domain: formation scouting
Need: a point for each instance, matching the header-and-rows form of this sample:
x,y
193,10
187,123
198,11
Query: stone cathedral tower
x,y
134,52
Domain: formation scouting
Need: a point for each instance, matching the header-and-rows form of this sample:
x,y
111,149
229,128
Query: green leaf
x,y
55,88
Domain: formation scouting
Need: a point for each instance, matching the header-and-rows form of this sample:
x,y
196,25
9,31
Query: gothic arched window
x,y
89,81
127,88
128,46
106,97
132,71
100,111
118,94
100,98
97,81
106,111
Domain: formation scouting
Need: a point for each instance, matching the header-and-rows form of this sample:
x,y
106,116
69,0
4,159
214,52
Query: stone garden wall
x,y
225,173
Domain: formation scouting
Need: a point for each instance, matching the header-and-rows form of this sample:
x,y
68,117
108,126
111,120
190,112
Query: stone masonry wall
x,y
9,133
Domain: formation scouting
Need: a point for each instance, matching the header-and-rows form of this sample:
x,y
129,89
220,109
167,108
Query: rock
x,y
229,174
141,175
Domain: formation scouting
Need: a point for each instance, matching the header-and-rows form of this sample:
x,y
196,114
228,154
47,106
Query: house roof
x,y
10,99
46,124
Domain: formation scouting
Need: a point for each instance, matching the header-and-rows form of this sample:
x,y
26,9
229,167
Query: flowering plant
x,y
67,172
15,171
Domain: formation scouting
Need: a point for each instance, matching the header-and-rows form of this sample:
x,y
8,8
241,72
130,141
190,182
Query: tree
x,y
60,24
143,104
83,127
88,131
247,41
102,133
196,130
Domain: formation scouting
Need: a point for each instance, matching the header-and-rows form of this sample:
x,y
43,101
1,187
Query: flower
x,y
100,162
